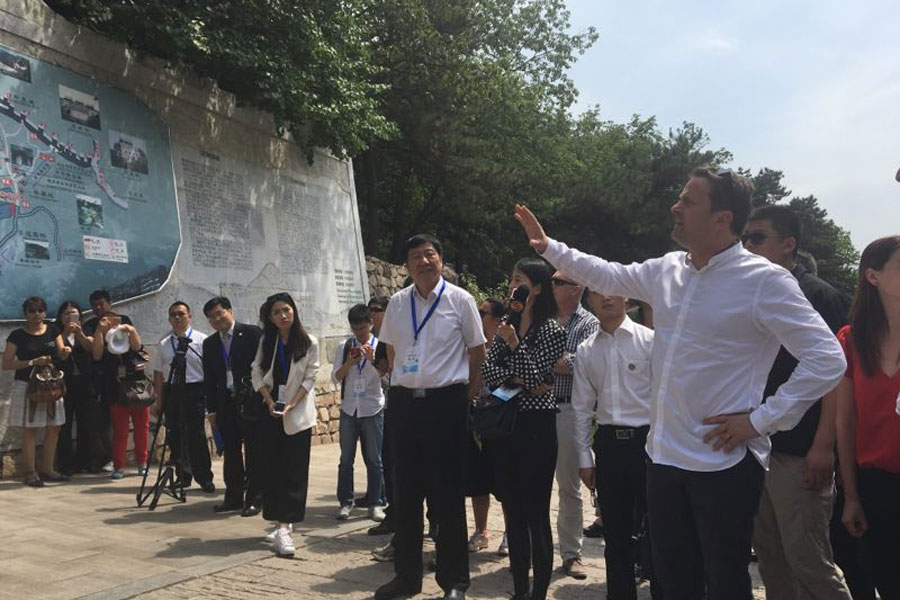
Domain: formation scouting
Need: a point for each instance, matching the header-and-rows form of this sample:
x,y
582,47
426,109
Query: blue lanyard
x,y
282,357
415,321
362,365
172,339
226,354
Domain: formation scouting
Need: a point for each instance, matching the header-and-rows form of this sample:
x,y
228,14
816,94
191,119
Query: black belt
x,y
621,432
427,392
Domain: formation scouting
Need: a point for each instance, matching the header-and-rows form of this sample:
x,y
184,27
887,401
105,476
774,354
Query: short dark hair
x,y
32,303
728,191
420,239
380,301
98,294
222,301
359,313
498,308
784,221
179,303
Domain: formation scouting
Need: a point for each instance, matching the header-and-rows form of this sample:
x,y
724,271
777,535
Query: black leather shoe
x,y
228,507
251,510
593,531
455,595
383,528
208,488
397,588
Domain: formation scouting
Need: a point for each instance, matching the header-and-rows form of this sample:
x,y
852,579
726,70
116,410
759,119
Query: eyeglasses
x,y
758,237
562,282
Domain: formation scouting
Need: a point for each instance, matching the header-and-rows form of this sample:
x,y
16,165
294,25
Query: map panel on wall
x,y
87,189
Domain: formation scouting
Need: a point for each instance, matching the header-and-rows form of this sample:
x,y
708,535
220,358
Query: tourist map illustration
x,y
87,189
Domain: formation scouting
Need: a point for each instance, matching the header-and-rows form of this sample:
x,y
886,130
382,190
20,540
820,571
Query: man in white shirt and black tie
x,y
185,413
720,315
435,344
612,389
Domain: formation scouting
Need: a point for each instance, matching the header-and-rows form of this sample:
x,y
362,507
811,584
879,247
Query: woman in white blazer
x,y
284,371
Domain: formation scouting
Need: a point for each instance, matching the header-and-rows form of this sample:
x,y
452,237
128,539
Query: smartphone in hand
x,y
278,409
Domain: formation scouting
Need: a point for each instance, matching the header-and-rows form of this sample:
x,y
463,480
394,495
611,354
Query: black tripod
x,y
168,481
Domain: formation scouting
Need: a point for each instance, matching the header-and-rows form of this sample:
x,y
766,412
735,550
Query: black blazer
x,y
243,351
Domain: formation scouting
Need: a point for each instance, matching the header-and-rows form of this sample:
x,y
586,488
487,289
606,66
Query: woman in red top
x,y
868,424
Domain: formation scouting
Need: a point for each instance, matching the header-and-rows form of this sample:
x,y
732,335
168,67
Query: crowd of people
x,y
713,401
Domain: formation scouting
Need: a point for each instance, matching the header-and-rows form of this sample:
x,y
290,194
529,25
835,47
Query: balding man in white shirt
x,y
435,345
720,315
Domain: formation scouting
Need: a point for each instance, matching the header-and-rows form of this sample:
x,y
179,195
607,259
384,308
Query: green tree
x,y
304,61
478,92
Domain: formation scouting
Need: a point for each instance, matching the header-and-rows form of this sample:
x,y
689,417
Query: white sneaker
x,y
376,513
344,512
108,467
284,545
478,541
270,537
503,550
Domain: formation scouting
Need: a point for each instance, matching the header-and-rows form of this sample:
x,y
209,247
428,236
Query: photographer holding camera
x,y
185,413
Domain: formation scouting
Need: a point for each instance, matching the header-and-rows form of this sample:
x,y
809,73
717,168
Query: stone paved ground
x,y
86,538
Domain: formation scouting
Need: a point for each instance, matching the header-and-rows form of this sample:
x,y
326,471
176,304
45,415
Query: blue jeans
x,y
370,431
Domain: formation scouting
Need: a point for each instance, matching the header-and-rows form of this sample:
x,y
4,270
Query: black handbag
x,y
495,418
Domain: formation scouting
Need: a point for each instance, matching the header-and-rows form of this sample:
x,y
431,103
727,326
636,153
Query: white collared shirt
x,y
193,358
444,341
363,396
612,382
718,330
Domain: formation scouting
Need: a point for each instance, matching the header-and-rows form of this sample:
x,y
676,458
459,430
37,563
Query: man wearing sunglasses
x,y
720,313
791,531
579,325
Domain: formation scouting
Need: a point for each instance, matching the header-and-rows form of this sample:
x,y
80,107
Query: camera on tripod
x,y
169,475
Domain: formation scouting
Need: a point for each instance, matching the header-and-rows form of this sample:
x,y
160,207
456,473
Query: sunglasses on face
x,y
562,282
758,237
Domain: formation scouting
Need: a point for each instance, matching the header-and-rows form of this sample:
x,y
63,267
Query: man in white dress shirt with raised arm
x,y
720,315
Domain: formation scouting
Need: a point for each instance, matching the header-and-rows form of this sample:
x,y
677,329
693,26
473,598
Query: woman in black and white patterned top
x,y
525,460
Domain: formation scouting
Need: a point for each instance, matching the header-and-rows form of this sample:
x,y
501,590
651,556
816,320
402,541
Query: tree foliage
x,y
304,61
453,110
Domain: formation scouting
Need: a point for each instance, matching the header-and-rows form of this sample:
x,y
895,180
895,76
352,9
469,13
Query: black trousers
x,y
525,464
107,385
621,481
186,416
879,494
429,439
286,460
82,419
848,553
701,524
244,467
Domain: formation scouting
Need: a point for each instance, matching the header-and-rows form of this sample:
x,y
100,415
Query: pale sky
x,y
809,88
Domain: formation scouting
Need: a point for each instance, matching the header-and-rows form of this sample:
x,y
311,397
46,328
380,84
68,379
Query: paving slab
x,y
88,539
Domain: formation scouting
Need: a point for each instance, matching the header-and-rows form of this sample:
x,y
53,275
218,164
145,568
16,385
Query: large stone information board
x,y
87,189
250,231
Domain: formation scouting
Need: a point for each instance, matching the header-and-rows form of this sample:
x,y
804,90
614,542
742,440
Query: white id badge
x,y
229,379
411,362
359,388
282,394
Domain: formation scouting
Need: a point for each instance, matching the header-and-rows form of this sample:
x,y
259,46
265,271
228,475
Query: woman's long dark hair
x,y
63,308
538,273
868,320
298,341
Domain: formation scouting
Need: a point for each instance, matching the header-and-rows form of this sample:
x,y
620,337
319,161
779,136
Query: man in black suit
x,y
232,405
